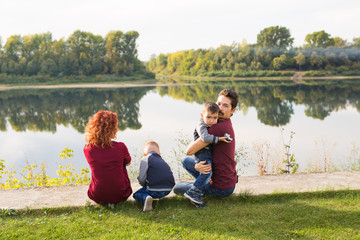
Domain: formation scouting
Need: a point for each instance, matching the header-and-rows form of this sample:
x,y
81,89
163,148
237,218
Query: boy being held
x,y
209,117
155,176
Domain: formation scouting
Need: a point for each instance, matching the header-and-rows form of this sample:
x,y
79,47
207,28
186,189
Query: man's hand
x,y
203,168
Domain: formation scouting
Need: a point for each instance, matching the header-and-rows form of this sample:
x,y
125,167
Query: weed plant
x,y
31,178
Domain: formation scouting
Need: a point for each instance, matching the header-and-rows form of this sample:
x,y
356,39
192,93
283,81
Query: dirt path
x,y
60,196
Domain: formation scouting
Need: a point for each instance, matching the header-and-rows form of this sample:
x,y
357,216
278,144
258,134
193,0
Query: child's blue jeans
x,y
202,179
141,194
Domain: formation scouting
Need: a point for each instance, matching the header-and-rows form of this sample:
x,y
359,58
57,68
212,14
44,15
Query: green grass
x,y
316,215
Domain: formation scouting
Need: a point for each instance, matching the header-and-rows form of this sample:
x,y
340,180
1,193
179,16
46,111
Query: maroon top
x,y
109,178
223,164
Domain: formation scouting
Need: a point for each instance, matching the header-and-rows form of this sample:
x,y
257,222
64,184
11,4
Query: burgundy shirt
x,y
223,164
109,178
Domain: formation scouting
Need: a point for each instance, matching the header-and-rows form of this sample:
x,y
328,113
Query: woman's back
x,y
109,179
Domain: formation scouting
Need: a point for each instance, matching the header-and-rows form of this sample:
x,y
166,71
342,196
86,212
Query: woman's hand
x,y
202,167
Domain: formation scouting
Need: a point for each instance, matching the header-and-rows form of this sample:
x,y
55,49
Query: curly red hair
x,y
101,128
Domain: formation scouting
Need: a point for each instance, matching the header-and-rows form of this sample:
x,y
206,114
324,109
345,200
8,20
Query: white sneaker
x,y
148,204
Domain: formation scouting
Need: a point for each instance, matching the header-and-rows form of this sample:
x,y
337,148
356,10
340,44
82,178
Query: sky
x,y
167,26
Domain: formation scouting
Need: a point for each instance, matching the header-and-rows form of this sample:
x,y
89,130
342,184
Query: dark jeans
x,y
202,179
141,194
182,187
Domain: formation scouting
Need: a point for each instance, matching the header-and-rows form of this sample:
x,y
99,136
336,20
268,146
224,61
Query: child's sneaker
x,y
148,204
194,194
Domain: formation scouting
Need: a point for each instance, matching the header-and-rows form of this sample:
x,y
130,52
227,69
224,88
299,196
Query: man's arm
x,y
196,146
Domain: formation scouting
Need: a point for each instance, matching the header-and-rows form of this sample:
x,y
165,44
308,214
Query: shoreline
x,y
296,79
94,85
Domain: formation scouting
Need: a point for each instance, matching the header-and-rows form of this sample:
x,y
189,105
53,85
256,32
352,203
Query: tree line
x,y
272,52
83,53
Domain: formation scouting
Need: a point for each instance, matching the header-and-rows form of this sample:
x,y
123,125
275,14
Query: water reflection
x,y
274,101
43,110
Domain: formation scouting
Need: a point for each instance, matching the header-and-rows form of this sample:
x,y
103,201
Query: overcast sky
x,y
167,26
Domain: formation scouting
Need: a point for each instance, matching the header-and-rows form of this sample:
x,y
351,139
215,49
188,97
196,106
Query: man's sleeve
x,y
143,171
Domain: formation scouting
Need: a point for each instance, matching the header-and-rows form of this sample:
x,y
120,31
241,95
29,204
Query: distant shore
x,y
296,78
93,85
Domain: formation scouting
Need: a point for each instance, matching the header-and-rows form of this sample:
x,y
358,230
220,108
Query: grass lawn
x,y
315,215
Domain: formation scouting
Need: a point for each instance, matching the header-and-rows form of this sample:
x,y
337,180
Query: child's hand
x,y
224,139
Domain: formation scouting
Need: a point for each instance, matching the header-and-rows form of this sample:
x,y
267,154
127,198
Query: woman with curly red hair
x,y
107,159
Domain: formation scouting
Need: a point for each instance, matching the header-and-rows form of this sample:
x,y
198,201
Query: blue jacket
x,y
155,173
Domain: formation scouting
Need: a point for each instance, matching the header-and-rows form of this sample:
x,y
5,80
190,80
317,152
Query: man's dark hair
x,y
211,107
232,95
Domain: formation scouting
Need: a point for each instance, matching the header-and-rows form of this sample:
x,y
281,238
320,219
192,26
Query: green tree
x,y
316,61
300,60
319,39
340,43
114,50
275,37
279,62
356,42
13,48
87,51
62,58
130,51
37,49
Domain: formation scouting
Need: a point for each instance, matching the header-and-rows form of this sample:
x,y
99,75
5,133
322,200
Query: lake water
x,y
37,124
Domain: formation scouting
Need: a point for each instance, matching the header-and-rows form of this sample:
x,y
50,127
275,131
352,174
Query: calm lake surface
x,y
35,125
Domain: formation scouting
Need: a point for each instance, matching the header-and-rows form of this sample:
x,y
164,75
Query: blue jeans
x,y
201,179
182,187
141,194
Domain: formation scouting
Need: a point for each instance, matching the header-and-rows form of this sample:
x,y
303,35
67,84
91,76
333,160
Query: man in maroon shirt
x,y
224,177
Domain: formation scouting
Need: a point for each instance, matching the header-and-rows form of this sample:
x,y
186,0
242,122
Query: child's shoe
x,y
194,194
148,204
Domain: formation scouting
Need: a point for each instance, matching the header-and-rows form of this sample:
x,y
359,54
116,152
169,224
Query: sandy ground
x,y
45,197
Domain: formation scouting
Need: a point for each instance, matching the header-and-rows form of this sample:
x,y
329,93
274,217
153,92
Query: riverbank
x,y
297,78
93,85
62,196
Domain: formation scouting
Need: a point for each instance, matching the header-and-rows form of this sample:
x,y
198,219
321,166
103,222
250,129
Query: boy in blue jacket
x,y
155,176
